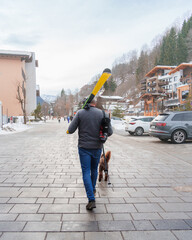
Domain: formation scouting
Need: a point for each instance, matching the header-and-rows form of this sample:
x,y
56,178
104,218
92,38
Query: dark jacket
x,y
88,123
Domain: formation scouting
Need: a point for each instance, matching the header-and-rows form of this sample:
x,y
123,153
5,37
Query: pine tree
x,y
181,49
118,112
142,67
62,93
106,86
112,85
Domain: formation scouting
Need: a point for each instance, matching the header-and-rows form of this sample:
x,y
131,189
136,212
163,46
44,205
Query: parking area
x,y
42,194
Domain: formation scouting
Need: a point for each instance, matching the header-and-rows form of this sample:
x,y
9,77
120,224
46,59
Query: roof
x,y
180,67
158,67
112,97
15,54
153,94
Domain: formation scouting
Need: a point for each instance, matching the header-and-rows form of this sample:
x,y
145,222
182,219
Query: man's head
x,y
93,103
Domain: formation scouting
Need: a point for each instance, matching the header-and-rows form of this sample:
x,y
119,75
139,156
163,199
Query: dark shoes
x,y
91,205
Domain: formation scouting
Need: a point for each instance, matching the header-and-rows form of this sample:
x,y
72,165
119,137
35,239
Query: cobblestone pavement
x,y
42,195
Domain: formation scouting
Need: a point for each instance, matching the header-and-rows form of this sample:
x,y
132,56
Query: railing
x,y
163,83
143,81
171,102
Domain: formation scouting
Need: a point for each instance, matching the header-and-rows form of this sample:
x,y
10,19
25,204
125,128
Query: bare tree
x,y
21,97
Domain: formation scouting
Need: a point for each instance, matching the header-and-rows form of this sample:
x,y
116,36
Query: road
x,y
42,194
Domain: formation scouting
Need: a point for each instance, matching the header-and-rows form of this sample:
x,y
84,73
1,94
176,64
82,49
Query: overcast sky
x,y
75,40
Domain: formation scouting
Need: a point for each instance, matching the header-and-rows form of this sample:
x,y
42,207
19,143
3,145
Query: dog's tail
x,y
108,156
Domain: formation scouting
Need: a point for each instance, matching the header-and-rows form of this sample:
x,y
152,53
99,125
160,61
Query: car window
x,y
178,117
161,117
149,119
187,116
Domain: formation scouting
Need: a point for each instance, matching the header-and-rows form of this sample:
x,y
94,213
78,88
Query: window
x,y
187,116
161,117
178,117
175,79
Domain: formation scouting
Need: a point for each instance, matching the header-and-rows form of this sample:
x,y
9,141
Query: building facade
x,y
17,69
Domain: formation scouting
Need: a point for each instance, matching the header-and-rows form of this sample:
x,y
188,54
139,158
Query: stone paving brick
x,y
42,227
25,208
56,193
136,200
22,200
45,200
189,222
170,224
84,226
173,199
145,216
30,217
116,200
52,217
62,200
5,208
120,208
148,207
174,215
156,200
176,207
115,225
143,225
9,192
23,236
103,236
183,235
59,208
65,236
8,217
11,226
33,192
187,199
122,216
104,217
148,235
4,200
90,216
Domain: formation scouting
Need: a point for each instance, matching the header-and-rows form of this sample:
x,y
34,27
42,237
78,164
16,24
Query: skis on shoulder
x,y
105,75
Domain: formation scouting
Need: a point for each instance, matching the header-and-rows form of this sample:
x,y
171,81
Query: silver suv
x,y
176,126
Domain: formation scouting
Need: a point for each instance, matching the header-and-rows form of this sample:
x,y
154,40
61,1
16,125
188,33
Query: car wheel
x,y
131,133
139,131
178,136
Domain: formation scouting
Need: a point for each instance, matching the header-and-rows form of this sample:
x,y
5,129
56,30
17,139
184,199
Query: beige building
x,y
17,68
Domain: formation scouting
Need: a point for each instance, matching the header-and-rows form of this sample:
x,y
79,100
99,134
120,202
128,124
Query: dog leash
x,y
106,168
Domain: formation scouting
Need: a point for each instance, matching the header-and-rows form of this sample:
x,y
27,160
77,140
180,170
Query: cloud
x,y
76,39
22,41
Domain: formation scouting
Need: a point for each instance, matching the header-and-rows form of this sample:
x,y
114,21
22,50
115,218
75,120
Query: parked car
x,y
139,125
176,126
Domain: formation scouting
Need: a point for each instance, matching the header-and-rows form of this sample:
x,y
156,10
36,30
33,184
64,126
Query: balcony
x,y
171,102
143,81
163,83
143,87
152,84
152,78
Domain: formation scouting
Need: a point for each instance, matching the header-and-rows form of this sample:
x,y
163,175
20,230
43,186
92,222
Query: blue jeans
x,y
89,159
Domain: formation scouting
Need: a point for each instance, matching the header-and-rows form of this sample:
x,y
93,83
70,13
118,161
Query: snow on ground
x,y
10,128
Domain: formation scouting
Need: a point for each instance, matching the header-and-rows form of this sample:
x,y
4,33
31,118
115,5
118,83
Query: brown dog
x,y
102,165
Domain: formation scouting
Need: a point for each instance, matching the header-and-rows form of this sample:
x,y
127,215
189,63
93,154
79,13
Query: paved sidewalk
x,y
42,195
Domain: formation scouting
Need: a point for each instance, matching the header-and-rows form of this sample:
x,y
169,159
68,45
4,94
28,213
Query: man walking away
x,y
88,122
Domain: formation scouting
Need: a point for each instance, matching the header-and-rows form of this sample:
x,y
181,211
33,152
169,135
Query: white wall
x,y
30,71
1,117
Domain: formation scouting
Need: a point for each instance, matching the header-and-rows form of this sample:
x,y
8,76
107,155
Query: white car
x,y
139,125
